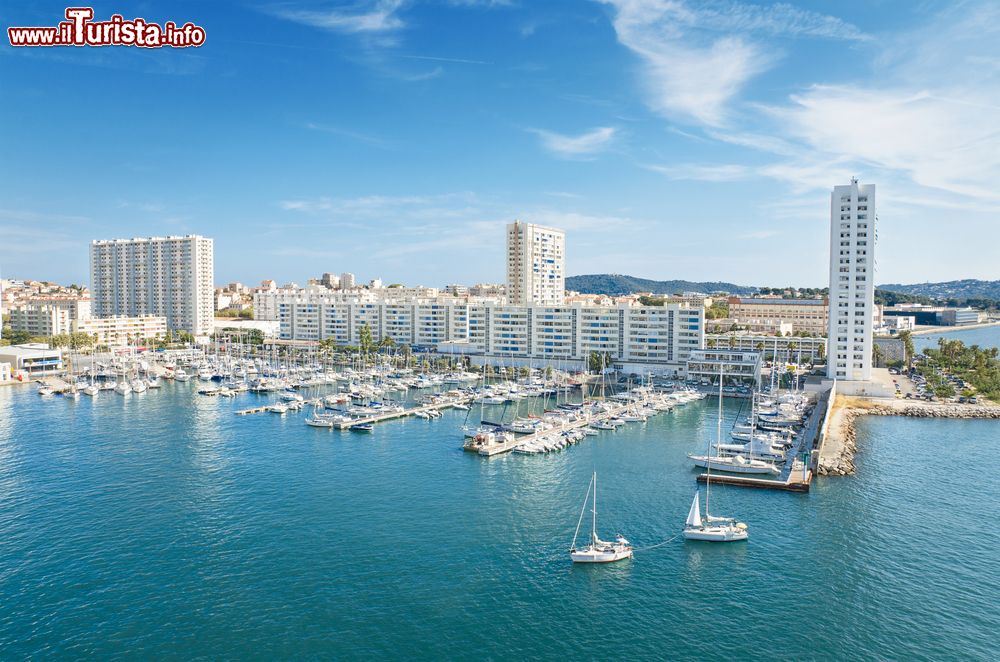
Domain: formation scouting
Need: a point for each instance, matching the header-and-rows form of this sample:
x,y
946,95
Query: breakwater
x,y
840,446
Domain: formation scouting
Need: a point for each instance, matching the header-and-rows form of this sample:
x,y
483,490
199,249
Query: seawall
x,y
837,455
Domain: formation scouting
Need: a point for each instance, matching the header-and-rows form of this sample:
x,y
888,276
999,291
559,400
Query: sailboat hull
x,y
729,465
589,555
716,534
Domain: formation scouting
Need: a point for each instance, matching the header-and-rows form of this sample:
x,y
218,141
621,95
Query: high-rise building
x,y
347,281
852,282
329,280
170,277
536,261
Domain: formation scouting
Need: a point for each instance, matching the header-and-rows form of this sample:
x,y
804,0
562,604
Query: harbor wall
x,y
840,445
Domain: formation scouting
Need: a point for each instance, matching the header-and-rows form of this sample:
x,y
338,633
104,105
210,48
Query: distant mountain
x,y
954,289
617,284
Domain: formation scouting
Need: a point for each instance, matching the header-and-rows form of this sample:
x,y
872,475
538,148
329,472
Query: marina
x,y
212,505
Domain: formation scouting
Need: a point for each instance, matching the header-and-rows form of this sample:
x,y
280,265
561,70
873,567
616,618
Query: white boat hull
x,y
730,465
589,555
716,534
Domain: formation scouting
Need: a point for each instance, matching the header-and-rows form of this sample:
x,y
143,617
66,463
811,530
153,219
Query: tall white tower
x,y
852,282
168,276
536,263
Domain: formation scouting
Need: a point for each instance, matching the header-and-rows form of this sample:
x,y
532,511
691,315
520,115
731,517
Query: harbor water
x,y
161,525
986,336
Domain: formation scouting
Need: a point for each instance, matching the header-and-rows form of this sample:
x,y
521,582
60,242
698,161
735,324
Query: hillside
x,y
954,289
616,284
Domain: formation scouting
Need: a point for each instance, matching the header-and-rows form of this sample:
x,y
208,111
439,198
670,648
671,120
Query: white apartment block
x,y
48,316
122,331
170,277
638,338
852,282
536,262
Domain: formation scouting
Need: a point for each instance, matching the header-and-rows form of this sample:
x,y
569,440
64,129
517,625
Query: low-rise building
x,y
959,316
784,349
270,329
805,315
32,361
5,373
738,367
120,331
767,327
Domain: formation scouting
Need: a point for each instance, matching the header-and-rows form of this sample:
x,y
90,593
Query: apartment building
x,y
170,277
48,316
761,314
536,263
852,281
638,338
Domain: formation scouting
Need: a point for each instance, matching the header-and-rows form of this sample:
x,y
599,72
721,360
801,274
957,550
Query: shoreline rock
x,y
842,435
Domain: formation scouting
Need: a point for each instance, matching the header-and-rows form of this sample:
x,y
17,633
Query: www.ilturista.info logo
x,y
80,30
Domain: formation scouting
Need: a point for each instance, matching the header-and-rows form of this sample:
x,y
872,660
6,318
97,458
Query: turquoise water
x,y
988,336
163,526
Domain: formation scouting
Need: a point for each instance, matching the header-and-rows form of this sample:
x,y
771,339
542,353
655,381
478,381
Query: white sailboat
x,y
712,529
597,551
709,528
735,464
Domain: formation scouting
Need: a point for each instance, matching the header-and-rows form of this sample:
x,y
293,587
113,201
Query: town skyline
x,y
407,160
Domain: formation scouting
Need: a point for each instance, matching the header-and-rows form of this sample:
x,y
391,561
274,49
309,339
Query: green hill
x,y
617,284
961,290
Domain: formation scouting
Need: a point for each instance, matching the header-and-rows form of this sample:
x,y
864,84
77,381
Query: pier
x,y
376,418
497,449
797,474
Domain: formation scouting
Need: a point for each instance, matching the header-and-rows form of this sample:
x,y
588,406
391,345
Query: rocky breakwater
x,y
840,445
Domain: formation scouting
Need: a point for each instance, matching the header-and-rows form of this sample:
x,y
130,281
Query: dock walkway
x,y
795,476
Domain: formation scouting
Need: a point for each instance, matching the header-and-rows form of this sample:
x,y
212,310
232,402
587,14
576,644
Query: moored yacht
x,y
597,550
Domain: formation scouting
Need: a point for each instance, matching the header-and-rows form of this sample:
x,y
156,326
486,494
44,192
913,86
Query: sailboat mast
x,y
594,529
583,511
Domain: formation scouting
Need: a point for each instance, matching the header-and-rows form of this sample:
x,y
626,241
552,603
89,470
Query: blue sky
x,y
394,138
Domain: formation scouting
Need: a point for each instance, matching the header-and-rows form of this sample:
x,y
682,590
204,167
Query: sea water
x,y
162,525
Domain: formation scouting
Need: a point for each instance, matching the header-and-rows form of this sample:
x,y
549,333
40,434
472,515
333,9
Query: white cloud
x,y
946,142
708,173
691,72
574,147
365,18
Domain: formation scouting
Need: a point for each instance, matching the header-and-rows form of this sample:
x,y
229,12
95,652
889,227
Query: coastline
x,y
840,445
928,330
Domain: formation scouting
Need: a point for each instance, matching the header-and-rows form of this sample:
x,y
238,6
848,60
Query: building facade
x,y
120,331
536,262
48,316
786,349
31,361
636,338
760,313
736,366
852,282
170,277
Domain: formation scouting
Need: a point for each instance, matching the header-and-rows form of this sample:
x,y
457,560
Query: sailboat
x,y
597,551
737,464
712,529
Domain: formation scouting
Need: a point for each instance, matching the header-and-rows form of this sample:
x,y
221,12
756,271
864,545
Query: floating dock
x,y
799,480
